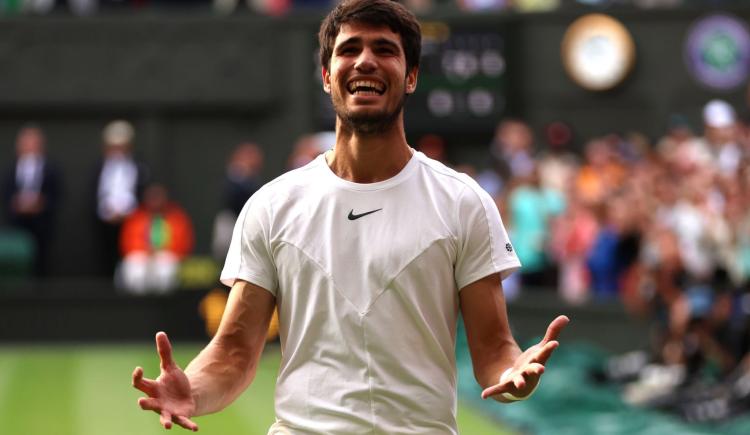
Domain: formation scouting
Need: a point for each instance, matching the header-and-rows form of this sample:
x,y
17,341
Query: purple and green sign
x,y
717,51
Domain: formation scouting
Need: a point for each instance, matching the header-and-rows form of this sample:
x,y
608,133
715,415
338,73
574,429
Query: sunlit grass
x,y
85,390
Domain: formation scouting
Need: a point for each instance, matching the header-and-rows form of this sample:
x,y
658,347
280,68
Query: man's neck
x,y
369,158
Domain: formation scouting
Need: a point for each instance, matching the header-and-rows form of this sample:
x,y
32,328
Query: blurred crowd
x,y
142,237
141,234
662,227
283,7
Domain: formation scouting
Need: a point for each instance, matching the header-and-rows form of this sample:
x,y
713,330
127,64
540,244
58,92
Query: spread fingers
x,y
148,386
186,423
149,404
555,327
165,419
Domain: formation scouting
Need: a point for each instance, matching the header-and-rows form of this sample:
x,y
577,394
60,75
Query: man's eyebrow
x,y
352,40
377,42
384,41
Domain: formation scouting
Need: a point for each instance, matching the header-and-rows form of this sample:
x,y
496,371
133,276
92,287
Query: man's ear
x,y
411,80
326,79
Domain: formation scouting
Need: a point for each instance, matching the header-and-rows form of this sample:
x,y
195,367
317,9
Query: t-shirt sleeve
x,y
484,245
249,257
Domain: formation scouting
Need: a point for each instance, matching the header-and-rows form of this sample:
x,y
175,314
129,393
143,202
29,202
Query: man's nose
x,y
366,61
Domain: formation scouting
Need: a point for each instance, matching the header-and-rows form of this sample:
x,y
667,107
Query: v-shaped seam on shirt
x,y
396,275
325,272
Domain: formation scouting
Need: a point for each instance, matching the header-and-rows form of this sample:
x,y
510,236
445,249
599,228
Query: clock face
x,y
597,52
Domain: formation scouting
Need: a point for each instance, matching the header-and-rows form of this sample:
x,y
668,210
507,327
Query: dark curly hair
x,y
377,13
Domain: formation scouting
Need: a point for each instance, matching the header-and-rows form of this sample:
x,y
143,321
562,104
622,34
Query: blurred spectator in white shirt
x,y
720,137
119,182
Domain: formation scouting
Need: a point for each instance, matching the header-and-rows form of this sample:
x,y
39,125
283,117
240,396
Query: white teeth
x,y
378,87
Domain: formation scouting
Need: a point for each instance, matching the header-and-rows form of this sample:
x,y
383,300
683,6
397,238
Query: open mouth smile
x,y
365,87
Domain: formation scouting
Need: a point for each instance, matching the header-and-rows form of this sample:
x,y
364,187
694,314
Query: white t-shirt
x,y
366,278
117,187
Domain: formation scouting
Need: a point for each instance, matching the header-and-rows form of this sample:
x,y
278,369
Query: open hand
x,y
529,366
169,395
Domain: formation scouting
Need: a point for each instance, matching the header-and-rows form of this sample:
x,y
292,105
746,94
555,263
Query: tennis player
x,y
370,252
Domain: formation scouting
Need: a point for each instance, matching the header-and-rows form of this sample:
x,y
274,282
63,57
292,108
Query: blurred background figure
x,y
120,180
601,173
242,180
573,235
434,147
531,211
720,137
309,146
608,257
558,163
678,134
153,241
510,156
31,193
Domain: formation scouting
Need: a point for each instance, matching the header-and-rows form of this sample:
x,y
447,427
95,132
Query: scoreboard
x,y
462,79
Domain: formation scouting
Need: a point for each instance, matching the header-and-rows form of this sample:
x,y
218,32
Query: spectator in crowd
x,y
433,146
119,182
243,178
573,235
698,225
678,133
557,164
31,193
153,241
601,174
738,220
310,146
531,209
510,156
720,137
243,175
611,252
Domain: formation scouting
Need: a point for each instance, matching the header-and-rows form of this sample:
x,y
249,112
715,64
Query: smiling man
x,y
370,252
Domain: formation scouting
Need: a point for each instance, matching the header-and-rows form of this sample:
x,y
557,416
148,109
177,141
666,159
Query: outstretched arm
x,y
493,349
221,371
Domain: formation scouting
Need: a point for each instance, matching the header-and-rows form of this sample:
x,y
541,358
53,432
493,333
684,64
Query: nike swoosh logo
x,y
353,216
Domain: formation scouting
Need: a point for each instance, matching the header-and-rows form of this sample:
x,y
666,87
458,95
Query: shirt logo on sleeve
x,y
509,247
353,216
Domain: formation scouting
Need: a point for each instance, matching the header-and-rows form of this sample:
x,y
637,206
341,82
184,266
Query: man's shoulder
x,y
457,182
289,184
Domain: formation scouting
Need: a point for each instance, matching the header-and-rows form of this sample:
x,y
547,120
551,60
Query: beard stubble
x,y
368,124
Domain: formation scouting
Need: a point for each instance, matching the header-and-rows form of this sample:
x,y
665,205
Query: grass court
x,y
85,390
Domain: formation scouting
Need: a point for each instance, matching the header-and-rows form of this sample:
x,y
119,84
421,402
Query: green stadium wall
x,y
195,86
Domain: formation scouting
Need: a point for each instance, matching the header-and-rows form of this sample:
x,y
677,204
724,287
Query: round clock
x,y
598,52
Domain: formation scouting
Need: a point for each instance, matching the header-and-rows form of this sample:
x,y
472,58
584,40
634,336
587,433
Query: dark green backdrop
x,y
196,86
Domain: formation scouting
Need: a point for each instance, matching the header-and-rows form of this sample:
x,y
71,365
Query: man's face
x,y
30,142
367,78
155,198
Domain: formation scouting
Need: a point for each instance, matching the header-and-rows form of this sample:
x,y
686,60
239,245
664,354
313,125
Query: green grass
x,y
85,390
